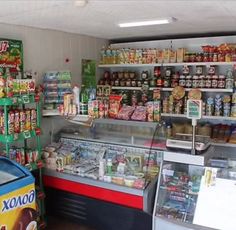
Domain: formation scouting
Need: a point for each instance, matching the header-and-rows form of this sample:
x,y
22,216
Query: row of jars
x,y
209,57
202,81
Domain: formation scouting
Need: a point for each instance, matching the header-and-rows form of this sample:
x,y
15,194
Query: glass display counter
x,y
195,195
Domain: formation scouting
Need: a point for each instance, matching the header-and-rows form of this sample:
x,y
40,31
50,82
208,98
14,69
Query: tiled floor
x,y
55,223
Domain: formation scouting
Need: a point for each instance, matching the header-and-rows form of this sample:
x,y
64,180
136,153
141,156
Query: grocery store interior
x,y
117,115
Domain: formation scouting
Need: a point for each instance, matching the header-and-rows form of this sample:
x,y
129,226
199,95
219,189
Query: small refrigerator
x,y
17,197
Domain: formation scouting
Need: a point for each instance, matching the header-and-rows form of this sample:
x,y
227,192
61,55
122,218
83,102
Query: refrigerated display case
x,y
195,195
130,202
17,197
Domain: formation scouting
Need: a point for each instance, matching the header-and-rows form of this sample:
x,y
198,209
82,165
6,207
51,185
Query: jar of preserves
x,y
199,57
195,83
214,82
229,83
128,83
133,83
182,81
208,81
117,82
210,57
192,57
199,70
160,82
187,57
167,82
215,57
221,57
221,82
185,70
211,70
202,81
174,82
188,82
152,82
205,57
139,83
123,83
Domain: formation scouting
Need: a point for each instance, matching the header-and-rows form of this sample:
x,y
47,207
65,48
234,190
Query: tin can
x,y
11,119
22,121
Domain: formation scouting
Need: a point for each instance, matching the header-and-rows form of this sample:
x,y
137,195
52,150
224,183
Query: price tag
x,y
15,137
194,109
27,134
25,99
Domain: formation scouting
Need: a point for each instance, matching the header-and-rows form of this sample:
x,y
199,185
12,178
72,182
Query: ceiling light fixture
x,y
148,23
80,3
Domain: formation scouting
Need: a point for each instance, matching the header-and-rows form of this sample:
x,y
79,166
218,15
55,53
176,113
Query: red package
x,y
114,105
139,114
125,112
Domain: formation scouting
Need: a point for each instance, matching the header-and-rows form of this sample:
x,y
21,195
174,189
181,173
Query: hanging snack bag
x,y
22,121
114,105
33,119
27,120
17,121
150,108
156,111
11,119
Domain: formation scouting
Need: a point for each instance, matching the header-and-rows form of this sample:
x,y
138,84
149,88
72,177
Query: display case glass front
x,y
195,197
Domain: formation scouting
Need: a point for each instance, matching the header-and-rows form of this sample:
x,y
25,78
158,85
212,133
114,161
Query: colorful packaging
x,y
17,122
150,109
156,111
11,119
22,120
33,118
27,120
114,102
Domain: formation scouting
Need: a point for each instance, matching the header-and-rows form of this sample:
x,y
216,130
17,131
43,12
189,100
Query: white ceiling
x,y
99,18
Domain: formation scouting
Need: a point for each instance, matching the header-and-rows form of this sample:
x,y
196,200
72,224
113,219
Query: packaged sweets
x,y
27,120
150,110
1,122
33,119
11,118
156,111
22,120
114,102
125,112
17,122
139,113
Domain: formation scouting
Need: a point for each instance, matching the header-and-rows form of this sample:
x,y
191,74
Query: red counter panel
x,y
116,197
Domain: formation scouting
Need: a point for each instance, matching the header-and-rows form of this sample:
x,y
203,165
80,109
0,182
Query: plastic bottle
x,y
109,166
76,92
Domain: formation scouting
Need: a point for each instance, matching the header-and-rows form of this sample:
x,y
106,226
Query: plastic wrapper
x,y
125,112
114,104
139,114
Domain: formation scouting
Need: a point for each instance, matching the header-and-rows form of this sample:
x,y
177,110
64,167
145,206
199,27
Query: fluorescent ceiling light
x,y
148,23
80,3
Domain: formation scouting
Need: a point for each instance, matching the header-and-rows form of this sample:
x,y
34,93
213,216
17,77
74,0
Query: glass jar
x,y
188,82
134,98
229,83
123,83
133,83
202,81
185,70
211,70
182,81
205,57
215,57
187,57
174,82
195,83
208,81
199,57
139,83
128,83
199,70
221,82
152,82
214,82
117,82
192,57
221,57
167,82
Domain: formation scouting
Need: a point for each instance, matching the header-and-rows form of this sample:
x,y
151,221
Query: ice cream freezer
x,y
17,197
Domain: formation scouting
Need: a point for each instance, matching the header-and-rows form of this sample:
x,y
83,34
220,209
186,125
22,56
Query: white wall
x,y
47,50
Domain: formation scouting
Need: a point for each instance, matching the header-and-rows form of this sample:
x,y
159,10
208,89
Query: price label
x,y
27,134
194,109
25,99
